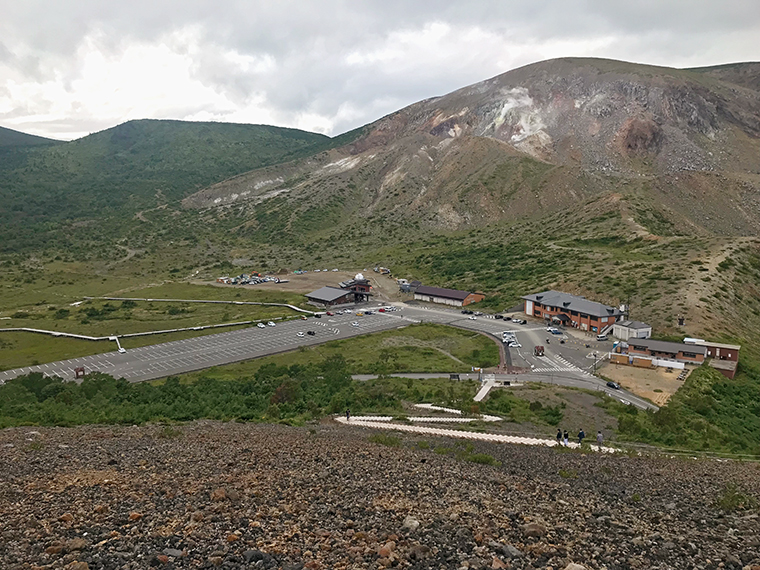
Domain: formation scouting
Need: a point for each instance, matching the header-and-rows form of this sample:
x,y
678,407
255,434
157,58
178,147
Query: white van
x,y
601,337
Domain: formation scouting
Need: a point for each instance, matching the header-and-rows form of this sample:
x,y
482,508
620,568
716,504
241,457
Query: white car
x,y
355,324
516,320
270,323
473,318
261,325
300,334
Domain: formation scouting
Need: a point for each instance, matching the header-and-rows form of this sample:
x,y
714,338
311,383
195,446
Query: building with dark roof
x,y
446,296
724,357
330,296
571,310
689,353
631,329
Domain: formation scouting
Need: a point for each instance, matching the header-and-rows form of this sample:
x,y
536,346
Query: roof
x,y
664,346
723,364
445,293
573,303
635,325
327,294
735,347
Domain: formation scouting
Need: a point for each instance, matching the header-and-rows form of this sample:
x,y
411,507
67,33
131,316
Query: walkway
x,y
442,432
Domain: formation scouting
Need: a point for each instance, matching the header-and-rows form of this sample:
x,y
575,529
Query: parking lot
x,y
165,359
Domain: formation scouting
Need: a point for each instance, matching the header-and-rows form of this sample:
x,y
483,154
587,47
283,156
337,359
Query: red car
x,y
381,310
329,314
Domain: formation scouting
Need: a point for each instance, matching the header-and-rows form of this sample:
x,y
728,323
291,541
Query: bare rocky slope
x,y
237,496
541,138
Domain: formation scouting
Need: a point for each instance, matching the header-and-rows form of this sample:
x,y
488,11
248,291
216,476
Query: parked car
x,y
498,316
329,314
614,385
465,311
553,330
303,317
472,317
270,323
310,333
516,320
367,312
381,310
317,316
523,322
300,334
355,324
261,325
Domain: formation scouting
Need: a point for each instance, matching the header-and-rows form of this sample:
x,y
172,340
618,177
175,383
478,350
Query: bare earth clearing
x,y
644,382
384,288
241,496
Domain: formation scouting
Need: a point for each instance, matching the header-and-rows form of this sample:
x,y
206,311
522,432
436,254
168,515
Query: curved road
x,y
566,364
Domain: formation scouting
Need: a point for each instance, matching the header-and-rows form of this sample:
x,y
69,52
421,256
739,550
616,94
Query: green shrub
x,y
568,474
732,499
482,458
384,439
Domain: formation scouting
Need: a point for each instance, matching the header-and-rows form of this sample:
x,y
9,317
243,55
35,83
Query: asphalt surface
x,y
166,359
569,364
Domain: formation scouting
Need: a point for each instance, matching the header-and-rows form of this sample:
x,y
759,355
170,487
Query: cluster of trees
x,y
291,394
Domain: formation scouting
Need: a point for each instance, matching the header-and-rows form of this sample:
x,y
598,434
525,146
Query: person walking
x,y
559,436
581,435
566,437
599,439
348,414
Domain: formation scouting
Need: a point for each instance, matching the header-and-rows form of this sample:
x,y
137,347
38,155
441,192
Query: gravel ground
x,y
210,495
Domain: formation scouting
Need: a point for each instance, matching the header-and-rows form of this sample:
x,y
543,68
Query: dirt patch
x,y
655,384
383,287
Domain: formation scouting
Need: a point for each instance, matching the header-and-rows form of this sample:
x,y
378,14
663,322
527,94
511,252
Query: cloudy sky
x,y
72,67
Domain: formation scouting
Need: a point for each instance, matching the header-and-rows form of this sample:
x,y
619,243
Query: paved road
x,y
565,365
569,364
166,359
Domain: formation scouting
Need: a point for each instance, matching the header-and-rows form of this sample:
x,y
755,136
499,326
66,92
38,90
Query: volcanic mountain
x,y
541,138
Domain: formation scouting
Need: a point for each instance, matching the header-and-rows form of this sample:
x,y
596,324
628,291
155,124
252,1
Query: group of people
x,y
563,438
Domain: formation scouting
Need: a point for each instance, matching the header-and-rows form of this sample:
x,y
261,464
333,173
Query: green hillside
x,y
11,138
128,168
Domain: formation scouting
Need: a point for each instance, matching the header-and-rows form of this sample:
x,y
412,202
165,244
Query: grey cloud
x,y
309,41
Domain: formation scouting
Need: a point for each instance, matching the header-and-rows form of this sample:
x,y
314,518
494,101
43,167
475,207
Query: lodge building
x,y
571,311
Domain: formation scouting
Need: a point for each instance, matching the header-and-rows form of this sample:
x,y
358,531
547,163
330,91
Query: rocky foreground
x,y
213,495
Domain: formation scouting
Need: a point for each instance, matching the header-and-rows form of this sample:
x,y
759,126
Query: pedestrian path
x,y
377,423
560,365
484,389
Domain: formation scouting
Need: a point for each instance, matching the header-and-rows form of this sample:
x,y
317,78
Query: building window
x,y
689,355
594,319
604,319
574,313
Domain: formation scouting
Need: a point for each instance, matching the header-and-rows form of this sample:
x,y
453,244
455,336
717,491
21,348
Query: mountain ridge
x,y
14,138
556,132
